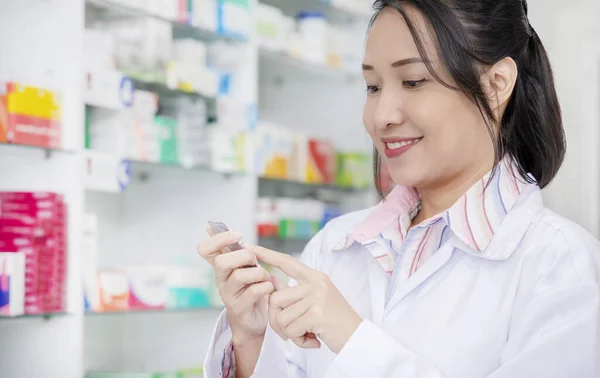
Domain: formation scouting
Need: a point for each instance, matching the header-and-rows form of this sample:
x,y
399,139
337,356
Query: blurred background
x,y
125,125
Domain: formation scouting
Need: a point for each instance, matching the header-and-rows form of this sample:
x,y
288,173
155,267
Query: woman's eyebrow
x,y
398,63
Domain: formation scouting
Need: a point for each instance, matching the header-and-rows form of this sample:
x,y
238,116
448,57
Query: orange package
x,y
29,115
3,120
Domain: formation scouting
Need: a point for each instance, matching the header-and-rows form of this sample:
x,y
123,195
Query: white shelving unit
x,y
163,213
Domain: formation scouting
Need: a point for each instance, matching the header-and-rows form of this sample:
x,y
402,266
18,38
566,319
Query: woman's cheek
x,y
368,121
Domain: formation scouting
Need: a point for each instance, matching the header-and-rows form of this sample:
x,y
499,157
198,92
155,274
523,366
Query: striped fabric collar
x,y
474,218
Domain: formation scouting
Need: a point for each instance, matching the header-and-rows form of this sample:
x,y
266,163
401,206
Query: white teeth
x,y
396,145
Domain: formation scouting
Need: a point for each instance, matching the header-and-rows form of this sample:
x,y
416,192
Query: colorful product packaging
x,y
167,139
299,218
274,151
354,170
108,89
113,291
147,288
267,217
226,150
188,288
29,115
35,225
12,284
293,218
315,161
234,18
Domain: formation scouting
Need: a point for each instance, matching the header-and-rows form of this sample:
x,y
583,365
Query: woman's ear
x,y
499,82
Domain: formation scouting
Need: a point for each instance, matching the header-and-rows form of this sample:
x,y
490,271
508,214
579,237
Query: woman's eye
x,y
372,89
413,83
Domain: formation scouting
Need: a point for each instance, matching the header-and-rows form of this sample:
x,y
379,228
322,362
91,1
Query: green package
x,y
167,139
354,170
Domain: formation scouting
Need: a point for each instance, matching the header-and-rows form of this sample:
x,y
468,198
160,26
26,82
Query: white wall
x,y
41,44
570,32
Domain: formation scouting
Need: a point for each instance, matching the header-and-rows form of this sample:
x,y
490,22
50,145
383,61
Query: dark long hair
x,y
482,32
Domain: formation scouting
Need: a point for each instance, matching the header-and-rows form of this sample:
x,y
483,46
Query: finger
x,y
253,293
278,283
292,313
308,341
212,247
286,263
273,314
286,297
225,264
240,278
299,327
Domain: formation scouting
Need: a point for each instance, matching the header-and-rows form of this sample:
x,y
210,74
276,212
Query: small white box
x,y
12,284
108,89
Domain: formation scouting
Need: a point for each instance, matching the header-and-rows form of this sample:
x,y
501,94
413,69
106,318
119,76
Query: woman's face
x,y
429,135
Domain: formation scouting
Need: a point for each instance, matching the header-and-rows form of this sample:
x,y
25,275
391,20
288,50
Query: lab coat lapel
x,y
435,263
378,282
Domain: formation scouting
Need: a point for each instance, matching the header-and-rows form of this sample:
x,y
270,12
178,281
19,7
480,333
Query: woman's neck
x,y
435,200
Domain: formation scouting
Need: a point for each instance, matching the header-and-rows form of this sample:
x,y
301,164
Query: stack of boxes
x,y
180,135
283,154
189,115
33,241
126,123
293,218
226,17
29,115
309,37
315,161
354,170
135,133
144,288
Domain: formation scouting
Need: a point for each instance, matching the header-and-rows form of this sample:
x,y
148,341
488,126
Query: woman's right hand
x,y
244,290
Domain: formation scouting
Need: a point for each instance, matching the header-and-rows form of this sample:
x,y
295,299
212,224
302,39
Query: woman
x,y
461,271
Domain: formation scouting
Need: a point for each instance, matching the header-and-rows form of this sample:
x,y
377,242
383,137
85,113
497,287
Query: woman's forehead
x,y
390,37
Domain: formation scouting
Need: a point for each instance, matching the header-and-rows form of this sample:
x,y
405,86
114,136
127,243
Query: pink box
x,y
35,224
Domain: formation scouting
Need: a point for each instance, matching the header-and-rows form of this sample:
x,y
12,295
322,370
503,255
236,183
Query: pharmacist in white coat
x,y
460,271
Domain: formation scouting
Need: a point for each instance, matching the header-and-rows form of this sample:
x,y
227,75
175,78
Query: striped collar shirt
x,y
473,219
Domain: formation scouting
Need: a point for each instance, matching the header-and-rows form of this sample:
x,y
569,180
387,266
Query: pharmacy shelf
x,y
114,174
277,239
158,83
332,11
36,316
106,9
283,184
45,152
189,373
154,312
283,63
290,246
145,168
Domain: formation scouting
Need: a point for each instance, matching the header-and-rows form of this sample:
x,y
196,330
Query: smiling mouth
x,y
404,143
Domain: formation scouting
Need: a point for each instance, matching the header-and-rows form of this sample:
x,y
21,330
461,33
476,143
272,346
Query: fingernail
x,y
236,234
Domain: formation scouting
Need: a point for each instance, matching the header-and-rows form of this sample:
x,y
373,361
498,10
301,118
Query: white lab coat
x,y
528,307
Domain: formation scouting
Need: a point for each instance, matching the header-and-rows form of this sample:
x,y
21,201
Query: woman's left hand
x,y
314,307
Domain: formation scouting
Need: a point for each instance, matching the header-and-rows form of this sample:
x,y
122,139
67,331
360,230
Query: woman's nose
x,y
389,111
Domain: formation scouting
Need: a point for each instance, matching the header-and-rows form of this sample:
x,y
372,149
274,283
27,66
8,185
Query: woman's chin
x,y
406,177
